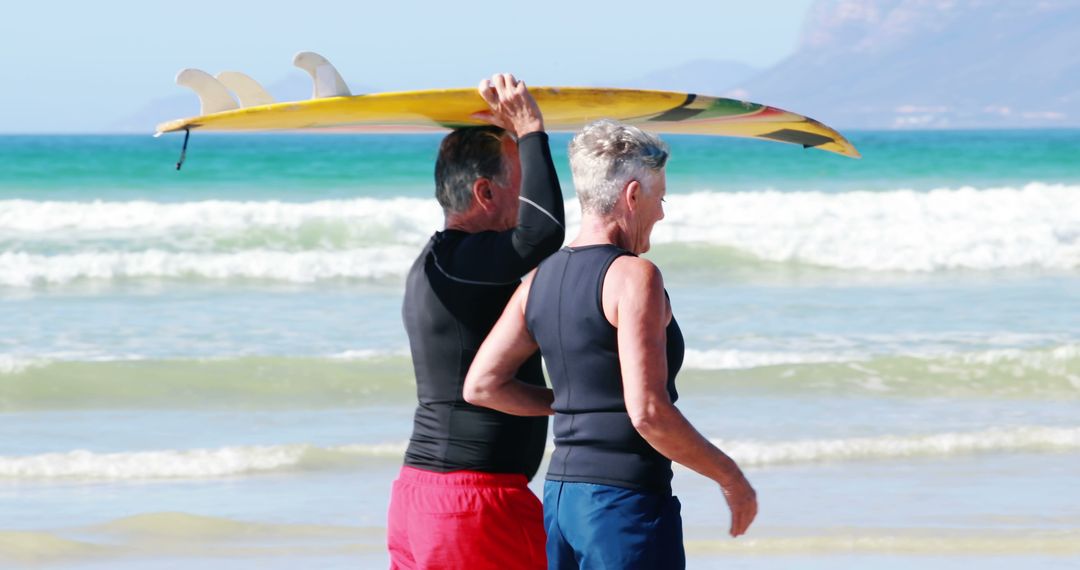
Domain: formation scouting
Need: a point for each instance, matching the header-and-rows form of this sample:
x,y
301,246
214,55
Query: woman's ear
x,y
631,193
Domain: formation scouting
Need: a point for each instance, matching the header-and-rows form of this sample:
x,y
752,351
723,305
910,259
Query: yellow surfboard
x,y
564,108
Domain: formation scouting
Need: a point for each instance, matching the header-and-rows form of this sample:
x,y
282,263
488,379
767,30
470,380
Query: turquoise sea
x,y
207,368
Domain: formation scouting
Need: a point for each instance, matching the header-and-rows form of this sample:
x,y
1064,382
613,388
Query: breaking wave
x,y
1033,226
365,377
254,460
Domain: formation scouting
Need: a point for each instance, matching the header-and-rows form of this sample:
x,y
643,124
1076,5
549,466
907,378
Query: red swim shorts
x,y
464,520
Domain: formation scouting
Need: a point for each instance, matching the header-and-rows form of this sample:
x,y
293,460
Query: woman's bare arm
x,y
490,381
642,315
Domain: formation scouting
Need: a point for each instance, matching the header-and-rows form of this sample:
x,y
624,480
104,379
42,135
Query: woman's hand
x,y
742,500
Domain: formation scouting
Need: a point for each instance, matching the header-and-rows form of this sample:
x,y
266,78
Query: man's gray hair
x,y
606,155
465,156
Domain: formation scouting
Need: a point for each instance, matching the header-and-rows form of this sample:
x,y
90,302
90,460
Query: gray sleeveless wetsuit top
x,y
595,441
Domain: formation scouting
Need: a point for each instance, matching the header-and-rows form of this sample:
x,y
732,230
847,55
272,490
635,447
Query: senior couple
x,y
485,298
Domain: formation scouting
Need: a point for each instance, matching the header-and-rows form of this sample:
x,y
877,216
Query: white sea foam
x,y
24,270
185,464
412,218
252,460
1051,358
1005,440
1034,358
362,354
1029,358
1037,225
744,359
940,542
15,364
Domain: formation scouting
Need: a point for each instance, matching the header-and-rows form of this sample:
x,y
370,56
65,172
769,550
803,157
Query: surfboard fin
x,y
213,96
327,80
247,90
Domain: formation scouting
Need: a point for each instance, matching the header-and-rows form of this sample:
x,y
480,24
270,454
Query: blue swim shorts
x,y
601,526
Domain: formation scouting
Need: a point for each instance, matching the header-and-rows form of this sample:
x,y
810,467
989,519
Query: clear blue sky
x,y
78,66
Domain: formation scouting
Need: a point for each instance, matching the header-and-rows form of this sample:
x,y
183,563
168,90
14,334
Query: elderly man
x,y
461,499
613,348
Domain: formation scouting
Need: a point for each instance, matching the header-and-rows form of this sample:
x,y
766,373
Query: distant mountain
x,y
867,64
931,64
703,76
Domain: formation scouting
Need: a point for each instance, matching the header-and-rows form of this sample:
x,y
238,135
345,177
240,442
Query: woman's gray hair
x,y
606,155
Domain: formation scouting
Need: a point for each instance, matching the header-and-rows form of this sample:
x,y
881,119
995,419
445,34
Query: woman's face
x,y
650,209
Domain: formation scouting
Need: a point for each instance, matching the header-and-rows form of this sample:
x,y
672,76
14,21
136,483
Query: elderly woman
x,y
601,318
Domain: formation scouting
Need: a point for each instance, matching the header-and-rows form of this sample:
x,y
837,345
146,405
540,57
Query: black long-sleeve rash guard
x,y
455,291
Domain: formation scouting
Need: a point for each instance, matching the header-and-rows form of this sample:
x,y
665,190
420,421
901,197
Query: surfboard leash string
x,y
183,149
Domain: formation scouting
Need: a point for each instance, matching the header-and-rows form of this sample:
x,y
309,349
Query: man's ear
x,y
483,194
631,193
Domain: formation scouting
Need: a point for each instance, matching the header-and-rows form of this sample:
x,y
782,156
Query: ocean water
x,y
207,367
